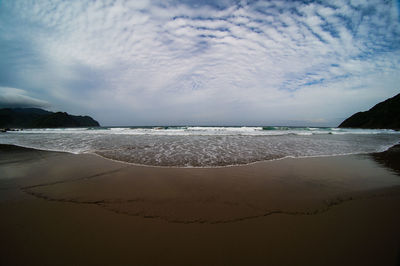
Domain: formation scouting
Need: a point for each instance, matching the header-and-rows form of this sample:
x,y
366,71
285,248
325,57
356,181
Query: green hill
x,y
39,118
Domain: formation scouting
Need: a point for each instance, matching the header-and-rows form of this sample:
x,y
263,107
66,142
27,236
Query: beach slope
x,y
66,209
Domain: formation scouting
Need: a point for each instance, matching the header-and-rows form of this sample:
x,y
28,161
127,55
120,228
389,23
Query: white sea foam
x,y
191,130
197,146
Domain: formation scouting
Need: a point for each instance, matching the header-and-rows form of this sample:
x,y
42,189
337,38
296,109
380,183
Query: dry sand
x,y
65,209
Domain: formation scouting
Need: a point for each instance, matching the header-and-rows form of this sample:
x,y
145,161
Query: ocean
x,y
202,146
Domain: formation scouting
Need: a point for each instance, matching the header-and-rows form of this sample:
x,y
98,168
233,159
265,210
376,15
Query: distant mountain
x,y
383,115
39,118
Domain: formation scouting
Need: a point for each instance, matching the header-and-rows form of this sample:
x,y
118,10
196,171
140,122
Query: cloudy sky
x,y
200,62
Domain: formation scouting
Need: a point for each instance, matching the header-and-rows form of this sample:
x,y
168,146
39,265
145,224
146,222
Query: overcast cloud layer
x,y
200,62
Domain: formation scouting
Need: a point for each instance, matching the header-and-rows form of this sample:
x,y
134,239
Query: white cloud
x,y
174,61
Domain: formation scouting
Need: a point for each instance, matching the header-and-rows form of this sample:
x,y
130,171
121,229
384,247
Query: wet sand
x,y
65,209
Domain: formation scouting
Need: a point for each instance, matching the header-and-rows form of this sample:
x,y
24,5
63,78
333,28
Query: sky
x,y
222,62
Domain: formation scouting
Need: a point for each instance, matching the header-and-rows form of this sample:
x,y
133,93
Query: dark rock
x,y
389,158
38,118
383,115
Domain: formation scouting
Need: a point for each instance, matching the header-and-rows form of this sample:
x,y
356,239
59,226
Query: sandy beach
x,y
66,209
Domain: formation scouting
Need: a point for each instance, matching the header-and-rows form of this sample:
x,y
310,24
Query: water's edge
x,y
206,167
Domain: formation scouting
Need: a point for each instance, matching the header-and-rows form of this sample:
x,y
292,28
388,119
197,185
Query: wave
x,y
208,130
204,146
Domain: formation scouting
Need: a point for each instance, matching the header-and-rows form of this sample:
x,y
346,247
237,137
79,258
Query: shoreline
x,y
84,209
389,159
395,146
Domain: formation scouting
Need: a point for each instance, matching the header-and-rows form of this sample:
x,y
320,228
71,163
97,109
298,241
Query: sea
x,y
204,146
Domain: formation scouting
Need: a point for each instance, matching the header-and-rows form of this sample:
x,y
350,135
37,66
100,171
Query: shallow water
x,y
204,146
